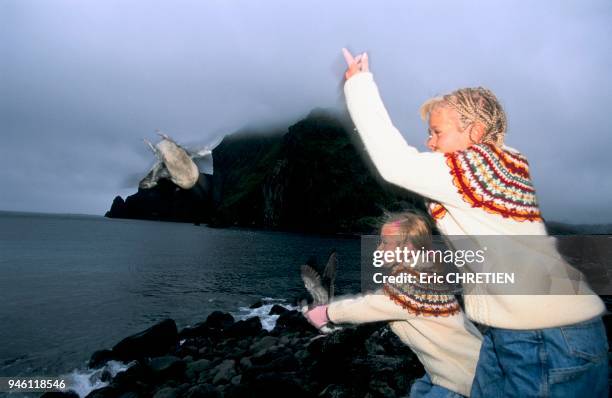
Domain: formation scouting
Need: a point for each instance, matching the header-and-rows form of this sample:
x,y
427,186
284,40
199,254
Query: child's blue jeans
x,y
567,361
423,388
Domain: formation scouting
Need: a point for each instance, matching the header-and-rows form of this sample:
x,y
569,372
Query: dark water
x,y
70,285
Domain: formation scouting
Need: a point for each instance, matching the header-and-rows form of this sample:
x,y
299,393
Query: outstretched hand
x,y
355,64
317,316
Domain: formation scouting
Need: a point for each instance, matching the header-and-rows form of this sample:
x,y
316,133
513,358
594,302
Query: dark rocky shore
x,y
222,357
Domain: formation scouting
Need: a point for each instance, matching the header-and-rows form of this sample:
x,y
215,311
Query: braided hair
x,y
473,105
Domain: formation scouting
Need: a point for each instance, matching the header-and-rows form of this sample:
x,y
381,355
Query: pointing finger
x,y
365,66
348,57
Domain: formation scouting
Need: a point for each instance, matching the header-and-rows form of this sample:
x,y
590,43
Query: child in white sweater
x,y
428,319
546,337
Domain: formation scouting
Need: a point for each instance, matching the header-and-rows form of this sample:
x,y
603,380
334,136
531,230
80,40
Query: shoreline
x,y
228,357
225,357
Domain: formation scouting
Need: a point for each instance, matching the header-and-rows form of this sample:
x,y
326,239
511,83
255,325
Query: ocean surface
x,y
71,285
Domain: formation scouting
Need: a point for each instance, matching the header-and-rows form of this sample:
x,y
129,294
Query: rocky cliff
x,y
314,177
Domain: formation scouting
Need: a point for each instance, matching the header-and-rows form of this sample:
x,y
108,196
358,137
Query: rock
x,y
379,388
182,389
118,208
155,341
245,363
248,327
277,310
167,366
202,391
236,380
134,376
60,394
301,355
378,363
195,368
373,348
237,391
292,321
257,304
277,385
100,358
401,382
205,378
197,330
263,343
267,354
219,320
186,350
129,394
106,376
166,392
104,392
282,363
224,372
337,391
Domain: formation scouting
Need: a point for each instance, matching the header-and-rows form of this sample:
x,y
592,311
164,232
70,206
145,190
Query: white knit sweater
x,y
461,207
447,346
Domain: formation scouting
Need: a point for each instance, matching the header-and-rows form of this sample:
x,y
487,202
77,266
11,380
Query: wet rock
x,y
301,355
293,321
277,385
282,363
263,343
238,391
99,358
136,375
256,304
202,391
104,392
267,354
167,366
243,360
380,389
224,372
337,391
129,394
155,341
277,310
219,320
60,394
106,376
195,368
247,327
245,363
166,392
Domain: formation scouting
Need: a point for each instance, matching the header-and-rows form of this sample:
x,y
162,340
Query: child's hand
x,y
355,65
317,316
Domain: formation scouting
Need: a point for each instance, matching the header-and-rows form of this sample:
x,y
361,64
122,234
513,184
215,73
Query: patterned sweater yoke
x,y
496,180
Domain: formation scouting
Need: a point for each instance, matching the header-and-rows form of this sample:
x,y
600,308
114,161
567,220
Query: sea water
x,y
71,285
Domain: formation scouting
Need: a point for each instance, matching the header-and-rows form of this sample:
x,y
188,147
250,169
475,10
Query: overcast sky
x,y
82,82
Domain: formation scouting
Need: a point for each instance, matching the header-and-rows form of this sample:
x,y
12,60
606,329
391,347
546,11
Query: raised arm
x,y
425,173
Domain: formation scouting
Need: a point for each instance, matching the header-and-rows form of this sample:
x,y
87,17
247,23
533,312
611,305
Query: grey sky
x,y
82,82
